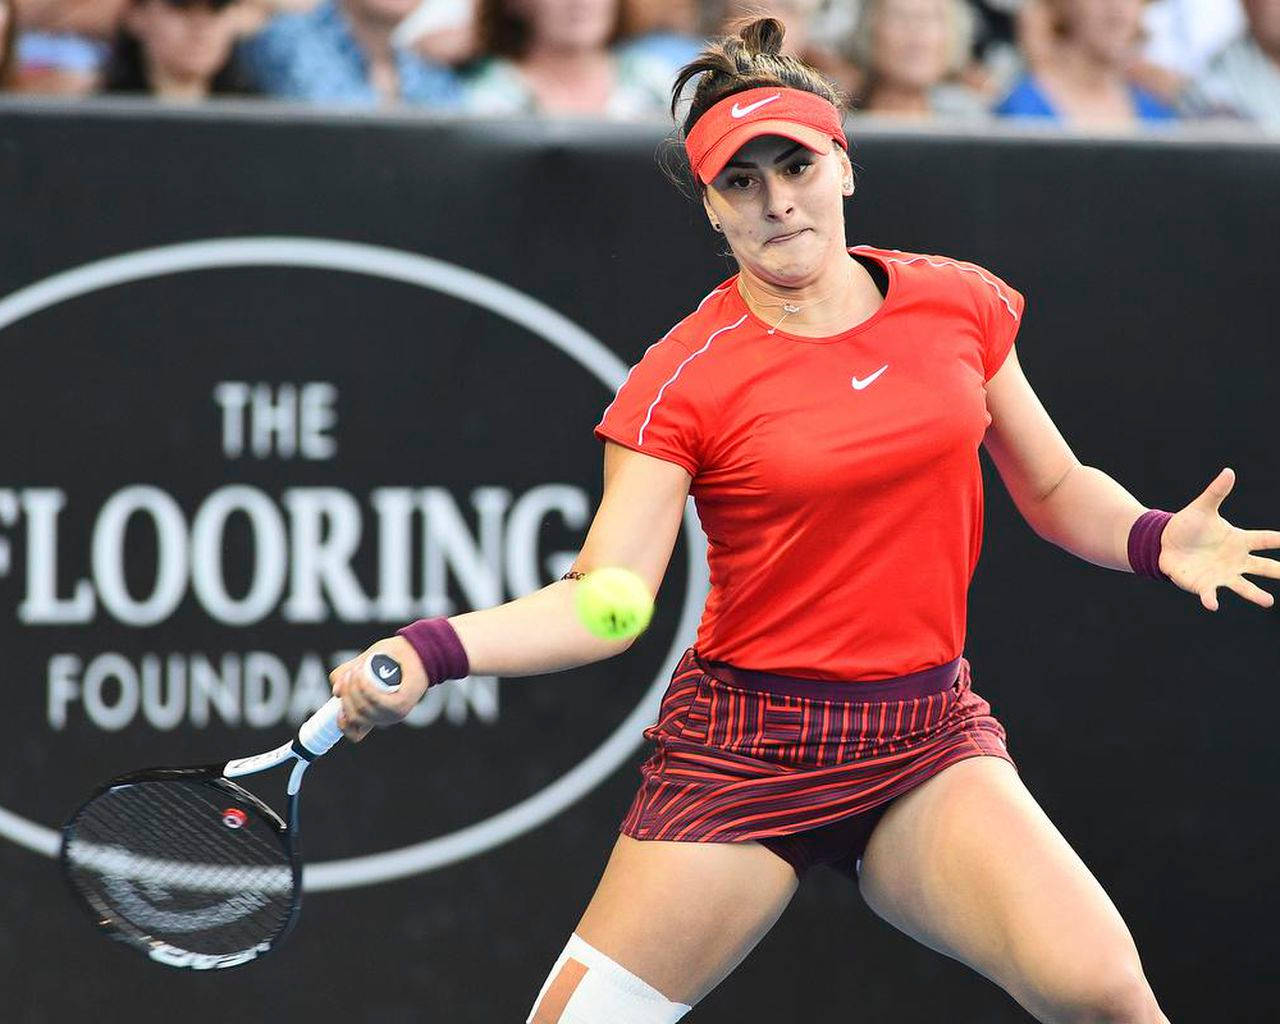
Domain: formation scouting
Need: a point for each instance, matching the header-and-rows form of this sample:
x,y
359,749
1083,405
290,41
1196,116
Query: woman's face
x,y
781,207
1108,29
184,42
569,24
909,42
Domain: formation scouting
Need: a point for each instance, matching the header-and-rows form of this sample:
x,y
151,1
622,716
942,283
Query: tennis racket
x,y
189,867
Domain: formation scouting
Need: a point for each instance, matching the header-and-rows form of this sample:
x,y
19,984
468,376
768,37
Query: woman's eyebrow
x,y
777,160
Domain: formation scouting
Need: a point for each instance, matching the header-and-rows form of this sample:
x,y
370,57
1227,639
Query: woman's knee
x,y
1114,994
683,915
587,987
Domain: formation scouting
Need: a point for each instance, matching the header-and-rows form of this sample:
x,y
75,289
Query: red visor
x,y
792,113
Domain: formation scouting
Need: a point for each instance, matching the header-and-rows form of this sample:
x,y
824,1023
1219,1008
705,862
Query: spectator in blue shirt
x,y
1081,79
342,52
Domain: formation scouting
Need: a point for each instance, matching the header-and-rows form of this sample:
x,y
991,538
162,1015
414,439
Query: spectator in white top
x,y
1244,79
1184,35
558,57
912,52
1180,37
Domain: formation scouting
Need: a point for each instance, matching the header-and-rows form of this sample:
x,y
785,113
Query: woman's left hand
x,y
1200,551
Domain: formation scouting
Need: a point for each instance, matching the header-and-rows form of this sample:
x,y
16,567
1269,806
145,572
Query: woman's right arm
x,y
634,528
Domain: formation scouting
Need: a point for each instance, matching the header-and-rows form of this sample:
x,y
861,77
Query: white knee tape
x,y
607,993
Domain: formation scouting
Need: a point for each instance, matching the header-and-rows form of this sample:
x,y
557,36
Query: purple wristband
x,y
438,648
1144,543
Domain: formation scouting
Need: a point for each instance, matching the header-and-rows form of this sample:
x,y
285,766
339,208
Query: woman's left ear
x,y
847,184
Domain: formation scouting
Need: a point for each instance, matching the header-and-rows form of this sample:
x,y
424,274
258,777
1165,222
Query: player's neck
x,y
825,304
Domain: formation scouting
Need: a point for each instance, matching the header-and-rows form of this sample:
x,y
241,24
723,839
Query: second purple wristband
x,y
1144,543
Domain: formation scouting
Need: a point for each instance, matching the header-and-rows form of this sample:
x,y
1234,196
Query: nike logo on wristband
x,y
858,385
738,111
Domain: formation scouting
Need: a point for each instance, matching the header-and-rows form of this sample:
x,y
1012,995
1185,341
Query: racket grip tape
x,y
320,732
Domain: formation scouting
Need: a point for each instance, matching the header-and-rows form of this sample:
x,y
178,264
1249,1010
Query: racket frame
x,y
315,738
121,930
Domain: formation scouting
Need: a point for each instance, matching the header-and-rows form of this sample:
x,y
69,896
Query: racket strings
x,y
182,862
200,798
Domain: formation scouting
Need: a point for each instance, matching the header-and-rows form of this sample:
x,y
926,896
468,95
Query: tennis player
x,y
825,407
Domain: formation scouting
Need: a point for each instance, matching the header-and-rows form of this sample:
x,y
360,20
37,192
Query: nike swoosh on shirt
x,y
858,385
738,111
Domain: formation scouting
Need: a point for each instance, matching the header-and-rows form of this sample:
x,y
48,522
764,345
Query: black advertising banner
x,y
277,384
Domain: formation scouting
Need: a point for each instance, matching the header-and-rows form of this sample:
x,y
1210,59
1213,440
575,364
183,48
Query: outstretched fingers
x,y
1263,540
1251,592
1255,565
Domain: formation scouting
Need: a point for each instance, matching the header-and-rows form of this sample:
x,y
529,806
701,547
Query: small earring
x,y
715,226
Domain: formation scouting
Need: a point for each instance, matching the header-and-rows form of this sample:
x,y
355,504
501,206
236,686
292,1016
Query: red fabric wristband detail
x,y
438,648
1144,543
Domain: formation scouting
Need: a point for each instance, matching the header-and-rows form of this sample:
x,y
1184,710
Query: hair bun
x,y
763,36
752,59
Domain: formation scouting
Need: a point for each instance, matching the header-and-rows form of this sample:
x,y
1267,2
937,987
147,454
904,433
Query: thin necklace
x,y
788,308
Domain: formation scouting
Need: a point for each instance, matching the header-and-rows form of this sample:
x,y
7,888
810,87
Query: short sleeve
x,y
661,408
1001,308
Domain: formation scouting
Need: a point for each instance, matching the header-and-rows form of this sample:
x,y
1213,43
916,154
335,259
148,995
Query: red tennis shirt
x,y
837,479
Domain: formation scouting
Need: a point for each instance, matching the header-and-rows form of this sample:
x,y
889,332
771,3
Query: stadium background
x,y
1141,722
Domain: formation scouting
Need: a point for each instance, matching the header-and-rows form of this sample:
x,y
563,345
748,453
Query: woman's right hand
x,y
365,705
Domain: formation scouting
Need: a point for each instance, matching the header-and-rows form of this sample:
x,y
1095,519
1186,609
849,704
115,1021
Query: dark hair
x,y
503,34
7,42
750,60
126,71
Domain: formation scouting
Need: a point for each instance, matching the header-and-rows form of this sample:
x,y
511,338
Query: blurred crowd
x,y
1086,62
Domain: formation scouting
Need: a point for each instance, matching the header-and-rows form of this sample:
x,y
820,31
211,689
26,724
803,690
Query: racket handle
x,y
320,732
384,672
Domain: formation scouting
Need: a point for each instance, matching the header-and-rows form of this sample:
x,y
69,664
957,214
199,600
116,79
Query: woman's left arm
x,y
1084,511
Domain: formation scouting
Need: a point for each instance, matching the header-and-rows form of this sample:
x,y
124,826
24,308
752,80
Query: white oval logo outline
x,y
470,286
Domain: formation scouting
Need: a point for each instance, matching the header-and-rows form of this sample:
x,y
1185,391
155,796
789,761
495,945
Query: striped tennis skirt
x,y
804,766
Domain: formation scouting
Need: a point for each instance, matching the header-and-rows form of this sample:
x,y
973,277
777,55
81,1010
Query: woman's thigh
x,y
681,916
970,865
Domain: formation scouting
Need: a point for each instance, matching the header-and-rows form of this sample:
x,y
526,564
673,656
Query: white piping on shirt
x,y
672,379
698,309
968,268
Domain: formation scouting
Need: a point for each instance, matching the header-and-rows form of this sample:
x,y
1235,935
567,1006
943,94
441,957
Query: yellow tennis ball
x,y
614,603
